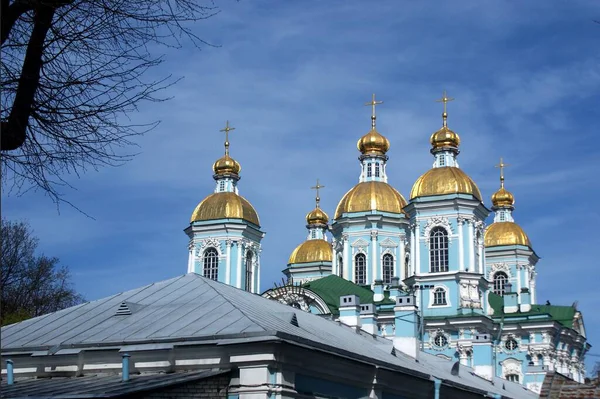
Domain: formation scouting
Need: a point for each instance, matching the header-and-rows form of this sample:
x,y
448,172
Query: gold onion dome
x,y
317,216
311,251
373,143
505,233
371,196
444,138
503,199
444,180
226,165
225,205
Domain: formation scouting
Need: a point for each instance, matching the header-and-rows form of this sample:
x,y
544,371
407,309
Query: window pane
x,y
438,250
388,268
211,264
360,266
249,271
500,280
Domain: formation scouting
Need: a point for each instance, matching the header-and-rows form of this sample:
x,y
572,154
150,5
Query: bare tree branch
x,y
71,72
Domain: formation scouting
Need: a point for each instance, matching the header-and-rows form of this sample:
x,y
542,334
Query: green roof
x,y
562,314
332,287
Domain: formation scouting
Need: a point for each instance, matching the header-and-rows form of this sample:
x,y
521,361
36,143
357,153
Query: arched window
x,y
222,185
439,297
360,269
438,250
388,268
500,280
377,170
211,263
248,271
369,169
341,266
512,377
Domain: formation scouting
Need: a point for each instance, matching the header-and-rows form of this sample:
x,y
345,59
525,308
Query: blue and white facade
x,y
430,274
225,232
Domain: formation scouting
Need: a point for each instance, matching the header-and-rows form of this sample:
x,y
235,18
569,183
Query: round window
x,y
440,340
511,344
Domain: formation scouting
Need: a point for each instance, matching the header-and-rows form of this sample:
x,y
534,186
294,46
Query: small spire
x,y
227,129
501,165
317,187
373,103
445,99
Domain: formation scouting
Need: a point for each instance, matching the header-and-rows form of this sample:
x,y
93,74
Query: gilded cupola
x,y
445,177
373,142
226,165
225,202
316,248
444,139
317,216
372,193
504,230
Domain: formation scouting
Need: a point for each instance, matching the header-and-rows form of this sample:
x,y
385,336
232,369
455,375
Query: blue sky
x,y
292,77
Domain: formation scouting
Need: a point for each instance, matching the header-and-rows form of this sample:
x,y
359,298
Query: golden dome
x,y
317,216
444,138
446,180
503,198
371,195
373,143
311,251
505,233
225,205
226,165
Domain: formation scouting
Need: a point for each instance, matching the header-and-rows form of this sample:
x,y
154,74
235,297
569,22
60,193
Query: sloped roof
x,y
101,386
332,287
193,308
561,314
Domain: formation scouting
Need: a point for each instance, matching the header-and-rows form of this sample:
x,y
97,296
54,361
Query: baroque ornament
x,y
437,221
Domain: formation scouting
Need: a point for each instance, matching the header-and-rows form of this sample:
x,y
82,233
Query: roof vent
x,y
123,309
455,368
393,352
294,320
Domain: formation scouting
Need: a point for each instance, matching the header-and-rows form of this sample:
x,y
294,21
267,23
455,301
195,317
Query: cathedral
x,y
428,274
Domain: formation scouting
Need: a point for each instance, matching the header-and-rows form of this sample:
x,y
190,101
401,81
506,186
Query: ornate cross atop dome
x,y
373,103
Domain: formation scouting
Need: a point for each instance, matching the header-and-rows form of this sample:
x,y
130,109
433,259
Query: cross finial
x,y
227,129
373,103
502,165
317,187
445,99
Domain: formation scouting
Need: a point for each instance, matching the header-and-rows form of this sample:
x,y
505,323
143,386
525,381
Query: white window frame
x,y
432,297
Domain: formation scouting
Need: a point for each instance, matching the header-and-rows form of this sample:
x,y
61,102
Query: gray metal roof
x,y
191,307
99,386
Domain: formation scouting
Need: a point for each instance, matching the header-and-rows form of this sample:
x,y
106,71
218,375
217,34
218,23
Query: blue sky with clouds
x,y
292,77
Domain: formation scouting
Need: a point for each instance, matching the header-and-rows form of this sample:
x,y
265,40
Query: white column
x,y
238,282
346,264
254,272
228,261
418,249
480,249
413,251
373,256
461,245
400,260
519,271
191,257
258,251
532,288
471,248
334,265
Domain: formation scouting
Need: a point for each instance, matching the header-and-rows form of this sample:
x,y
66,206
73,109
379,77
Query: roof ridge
x,y
209,282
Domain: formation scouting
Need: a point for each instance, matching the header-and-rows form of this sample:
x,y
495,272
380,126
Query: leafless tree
x,y
30,285
71,72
